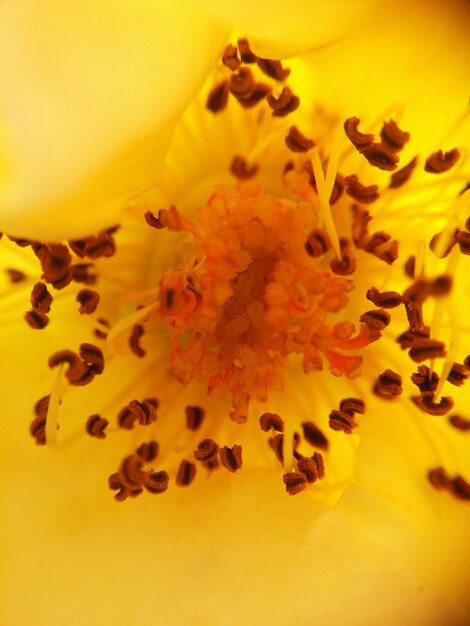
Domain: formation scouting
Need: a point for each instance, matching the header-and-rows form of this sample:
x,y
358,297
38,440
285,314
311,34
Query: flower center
x,y
274,288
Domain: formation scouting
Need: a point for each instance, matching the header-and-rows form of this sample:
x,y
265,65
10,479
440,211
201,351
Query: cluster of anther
x,y
306,469
132,479
59,268
255,294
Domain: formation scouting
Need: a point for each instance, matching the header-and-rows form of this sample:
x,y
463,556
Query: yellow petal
x,y
89,93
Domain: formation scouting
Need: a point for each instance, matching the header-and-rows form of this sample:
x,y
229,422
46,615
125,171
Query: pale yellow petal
x,y
89,93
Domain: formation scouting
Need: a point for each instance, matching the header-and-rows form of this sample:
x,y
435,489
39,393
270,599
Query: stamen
x,y
401,176
96,426
317,243
393,137
295,482
426,403
423,349
272,421
380,156
297,142
359,192
157,482
194,417
425,379
36,319
15,276
308,468
230,57
273,69
377,318
460,423
340,420
325,208
186,473
148,452
88,300
240,168
388,385
440,162
218,97
207,451
231,458
358,139
314,436
134,340
286,103
246,54
145,412
55,260
385,299
81,273
41,299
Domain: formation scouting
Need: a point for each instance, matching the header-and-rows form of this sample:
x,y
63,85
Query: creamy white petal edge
x,y
89,92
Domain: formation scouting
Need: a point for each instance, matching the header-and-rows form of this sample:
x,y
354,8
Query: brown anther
x,y
88,300
388,385
424,379
286,103
440,162
42,405
359,192
297,142
414,314
360,226
401,176
308,468
314,436
273,69
410,266
463,239
194,417
115,483
439,478
270,421
102,245
337,190
15,276
423,349
407,339
320,463
93,358
98,332
148,452
96,425
358,139
352,405
37,429
131,473
460,488
295,482
458,374
157,482
426,403
383,247
55,260
81,273
277,444
242,83
134,340
240,168
126,418
246,54
41,299
317,244
466,362
217,99
393,137
207,451
451,242
259,93
230,57
384,299
460,423
340,420
417,292
344,266
440,286
77,372
231,458
379,155
377,318
145,411
186,473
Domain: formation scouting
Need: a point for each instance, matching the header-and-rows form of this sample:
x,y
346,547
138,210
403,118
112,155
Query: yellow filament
x,y
324,198
453,349
420,258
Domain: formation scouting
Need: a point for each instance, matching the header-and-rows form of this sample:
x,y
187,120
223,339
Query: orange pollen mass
x,y
252,297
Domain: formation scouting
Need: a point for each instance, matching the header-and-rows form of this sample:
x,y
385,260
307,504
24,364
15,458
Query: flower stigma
x,y
289,276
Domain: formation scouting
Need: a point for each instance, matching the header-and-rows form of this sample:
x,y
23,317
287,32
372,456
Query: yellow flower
x,y
230,291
